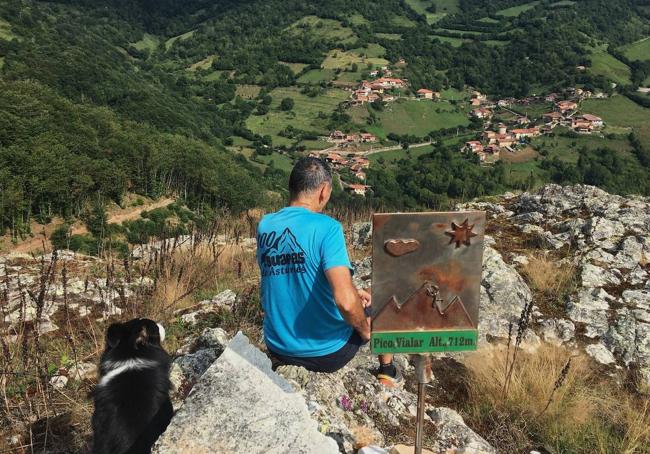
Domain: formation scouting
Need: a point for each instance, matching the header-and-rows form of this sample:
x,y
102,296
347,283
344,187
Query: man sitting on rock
x,y
314,316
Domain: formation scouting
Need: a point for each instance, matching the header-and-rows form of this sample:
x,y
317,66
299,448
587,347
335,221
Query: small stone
x,y
82,371
600,353
59,381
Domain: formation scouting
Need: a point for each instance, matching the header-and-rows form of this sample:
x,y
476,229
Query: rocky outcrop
x,y
240,405
607,238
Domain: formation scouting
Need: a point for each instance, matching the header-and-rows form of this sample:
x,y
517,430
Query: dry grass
x,y
586,412
551,281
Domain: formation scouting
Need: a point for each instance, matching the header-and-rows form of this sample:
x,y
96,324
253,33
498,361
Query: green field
x,y
340,59
5,31
606,65
170,42
206,63
402,21
420,7
563,3
639,50
304,115
566,148
420,117
280,161
215,75
323,29
618,111
517,10
488,20
316,76
393,156
391,36
296,68
148,42
358,19
453,94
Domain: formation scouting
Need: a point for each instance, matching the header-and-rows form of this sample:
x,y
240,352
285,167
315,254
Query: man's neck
x,y
305,203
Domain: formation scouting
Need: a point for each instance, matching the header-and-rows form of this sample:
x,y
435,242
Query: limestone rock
x,y
600,353
590,307
240,405
453,434
82,371
504,293
361,234
558,331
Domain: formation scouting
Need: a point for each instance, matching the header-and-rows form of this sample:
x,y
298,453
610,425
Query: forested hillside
x,y
212,100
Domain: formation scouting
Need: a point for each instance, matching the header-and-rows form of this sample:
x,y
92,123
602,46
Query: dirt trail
x,y
41,233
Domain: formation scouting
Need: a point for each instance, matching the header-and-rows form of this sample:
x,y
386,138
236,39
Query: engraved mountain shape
x,y
286,243
422,311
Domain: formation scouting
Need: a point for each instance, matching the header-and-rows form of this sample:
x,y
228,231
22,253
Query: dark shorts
x,y
327,363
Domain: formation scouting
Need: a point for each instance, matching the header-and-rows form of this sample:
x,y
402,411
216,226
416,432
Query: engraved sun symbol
x,y
461,234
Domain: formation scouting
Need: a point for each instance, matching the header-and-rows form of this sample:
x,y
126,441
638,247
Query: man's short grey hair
x,y
307,175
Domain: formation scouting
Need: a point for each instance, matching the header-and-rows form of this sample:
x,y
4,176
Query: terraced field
x,y
304,116
639,50
517,10
606,65
323,29
420,117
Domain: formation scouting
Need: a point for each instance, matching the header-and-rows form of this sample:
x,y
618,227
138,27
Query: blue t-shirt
x,y
295,246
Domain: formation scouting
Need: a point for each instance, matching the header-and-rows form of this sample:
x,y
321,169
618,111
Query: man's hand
x,y
365,297
349,300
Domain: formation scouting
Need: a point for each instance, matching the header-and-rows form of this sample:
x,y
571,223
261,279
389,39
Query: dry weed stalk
x,y
522,326
559,382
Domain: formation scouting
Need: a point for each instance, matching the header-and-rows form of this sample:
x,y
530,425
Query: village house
x,y
389,82
475,102
360,174
481,113
361,161
552,117
336,160
474,146
503,102
336,136
565,106
357,189
551,97
596,122
367,137
586,123
489,136
525,133
478,95
424,93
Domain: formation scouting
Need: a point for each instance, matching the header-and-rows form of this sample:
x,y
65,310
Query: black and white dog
x,y
132,406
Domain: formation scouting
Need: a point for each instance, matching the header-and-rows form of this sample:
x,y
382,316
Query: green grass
x,y
455,42
170,42
280,161
447,6
420,117
206,63
393,156
340,59
391,36
316,76
488,20
373,50
214,75
402,21
566,148
324,29
619,112
296,68
349,76
420,7
563,3
315,144
605,65
304,115
639,50
358,19
5,31
148,42
453,94
517,10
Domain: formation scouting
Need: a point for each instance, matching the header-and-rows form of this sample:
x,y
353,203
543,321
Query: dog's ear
x,y
114,334
142,337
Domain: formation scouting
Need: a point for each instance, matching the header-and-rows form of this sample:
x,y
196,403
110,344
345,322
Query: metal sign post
x,y
426,276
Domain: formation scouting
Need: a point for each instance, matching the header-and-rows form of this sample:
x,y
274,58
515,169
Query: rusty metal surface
x,y
429,277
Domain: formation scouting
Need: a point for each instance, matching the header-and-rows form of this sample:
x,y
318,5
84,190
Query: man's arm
x,y
348,300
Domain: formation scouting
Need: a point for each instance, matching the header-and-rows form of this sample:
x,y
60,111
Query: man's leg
x,y
387,374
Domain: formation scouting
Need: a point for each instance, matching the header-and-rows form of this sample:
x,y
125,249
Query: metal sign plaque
x,y
426,275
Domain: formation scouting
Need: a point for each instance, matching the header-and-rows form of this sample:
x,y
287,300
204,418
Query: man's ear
x,y
114,334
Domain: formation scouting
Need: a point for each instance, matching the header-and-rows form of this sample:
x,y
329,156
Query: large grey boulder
x,y
241,405
504,294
